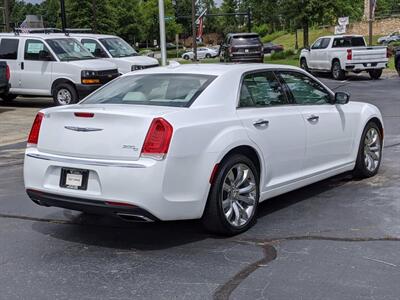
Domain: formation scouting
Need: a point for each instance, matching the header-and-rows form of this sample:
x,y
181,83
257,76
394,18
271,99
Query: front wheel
x,y
303,64
186,57
233,200
375,74
370,152
208,55
398,67
64,94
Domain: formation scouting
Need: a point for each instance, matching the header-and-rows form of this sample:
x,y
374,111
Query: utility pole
x,y
94,10
7,15
63,17
162,32
370,21
194,30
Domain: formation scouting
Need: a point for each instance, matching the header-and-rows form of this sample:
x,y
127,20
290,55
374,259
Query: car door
x,y
201,53
324,61
314,57
275,126
330,130
9,52
36,74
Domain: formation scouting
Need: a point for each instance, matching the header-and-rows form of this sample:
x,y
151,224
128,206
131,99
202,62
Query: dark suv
x,y
242,47
397,60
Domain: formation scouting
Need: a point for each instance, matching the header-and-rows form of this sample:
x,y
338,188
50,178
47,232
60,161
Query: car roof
x,y
342,36
36,35
212,69
93,35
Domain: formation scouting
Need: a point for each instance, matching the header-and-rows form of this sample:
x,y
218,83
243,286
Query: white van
x,y
116,50
52,65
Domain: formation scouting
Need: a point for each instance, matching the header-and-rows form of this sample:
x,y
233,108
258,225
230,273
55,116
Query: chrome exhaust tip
x,y
134,217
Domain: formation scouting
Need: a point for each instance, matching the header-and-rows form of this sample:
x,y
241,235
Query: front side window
x,y
69,49
261,89
317,44
305,90
36,50
9,48
94,47
325,43
178,90
118,47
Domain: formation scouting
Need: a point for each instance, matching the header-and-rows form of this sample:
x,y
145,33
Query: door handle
x,y
22,65
313,118
261,123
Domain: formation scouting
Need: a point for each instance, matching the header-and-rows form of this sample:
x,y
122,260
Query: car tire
x,y
304,65
398,67
8,97
186,57
337,72
208,55
65,94
369,155
375,74
232,207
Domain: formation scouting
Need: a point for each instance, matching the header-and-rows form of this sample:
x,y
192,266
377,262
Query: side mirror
x,y
342,98
45,55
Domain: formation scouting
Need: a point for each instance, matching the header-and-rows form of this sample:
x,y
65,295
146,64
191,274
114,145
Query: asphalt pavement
x,y
336,239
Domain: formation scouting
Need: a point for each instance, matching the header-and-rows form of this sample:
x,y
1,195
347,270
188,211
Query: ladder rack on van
x,y
67,31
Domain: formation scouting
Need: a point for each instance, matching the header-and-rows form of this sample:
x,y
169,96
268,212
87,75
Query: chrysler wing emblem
x,y
82,129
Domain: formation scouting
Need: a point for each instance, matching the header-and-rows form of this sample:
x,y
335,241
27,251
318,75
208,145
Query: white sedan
x,y
198,141
202,52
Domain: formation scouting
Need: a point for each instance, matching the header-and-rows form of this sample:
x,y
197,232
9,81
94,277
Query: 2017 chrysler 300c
x,y
198,141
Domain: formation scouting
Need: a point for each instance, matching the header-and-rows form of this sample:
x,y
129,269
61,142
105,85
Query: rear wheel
x,y
375,74
8,97
233,200
369,152
398,67
337,72
64,94
208,55
186,57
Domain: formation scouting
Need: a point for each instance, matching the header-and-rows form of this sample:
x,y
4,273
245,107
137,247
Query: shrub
x,y
262,29
283,54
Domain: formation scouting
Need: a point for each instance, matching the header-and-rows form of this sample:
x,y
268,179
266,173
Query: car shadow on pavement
x,y
28,102
350,77
105,231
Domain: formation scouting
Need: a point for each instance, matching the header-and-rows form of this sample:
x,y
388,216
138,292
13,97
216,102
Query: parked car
x,y
202,52
52,65
393,37
198,141
241,47
4,80
271,48
397,60
116,50
342,54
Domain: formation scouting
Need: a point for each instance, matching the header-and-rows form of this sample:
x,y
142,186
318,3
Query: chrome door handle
x,y
313,118
261,123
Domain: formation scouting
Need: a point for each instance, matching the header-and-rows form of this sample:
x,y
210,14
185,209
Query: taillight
x,y
84,115
8,73
157,139
349,54
34,134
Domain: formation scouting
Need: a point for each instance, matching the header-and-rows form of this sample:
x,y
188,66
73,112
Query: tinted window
x,y
348,42
94,47
325,43
246,40
304,89
178,90
261,89
9,48
33,48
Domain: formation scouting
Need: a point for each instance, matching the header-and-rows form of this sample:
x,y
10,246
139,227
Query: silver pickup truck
x,y
343,54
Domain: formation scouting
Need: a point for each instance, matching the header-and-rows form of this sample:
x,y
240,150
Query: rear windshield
x,y
177,90
349,42
246,40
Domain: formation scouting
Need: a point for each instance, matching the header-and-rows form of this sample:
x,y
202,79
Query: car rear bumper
x,y
247,58
365,66
155,190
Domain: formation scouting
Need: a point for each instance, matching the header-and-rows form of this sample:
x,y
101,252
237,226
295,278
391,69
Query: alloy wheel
x,y
239,195
372,149
64,97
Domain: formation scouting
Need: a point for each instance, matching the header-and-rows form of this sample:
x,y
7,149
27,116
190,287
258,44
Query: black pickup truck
x,y
397,60
4,81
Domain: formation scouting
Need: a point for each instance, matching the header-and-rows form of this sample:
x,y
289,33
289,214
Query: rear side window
x,y
9,48
348,42
177,90
33,48
94,47
261,89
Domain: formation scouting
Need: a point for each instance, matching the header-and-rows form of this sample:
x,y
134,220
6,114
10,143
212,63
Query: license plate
x,y
246,50
75,179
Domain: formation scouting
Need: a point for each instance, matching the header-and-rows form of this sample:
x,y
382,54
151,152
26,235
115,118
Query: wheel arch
x,y
60,81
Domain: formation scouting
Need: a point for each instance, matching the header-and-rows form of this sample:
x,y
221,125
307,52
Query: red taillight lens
x,y
34,134
157,139
349,54
8,73
84,115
